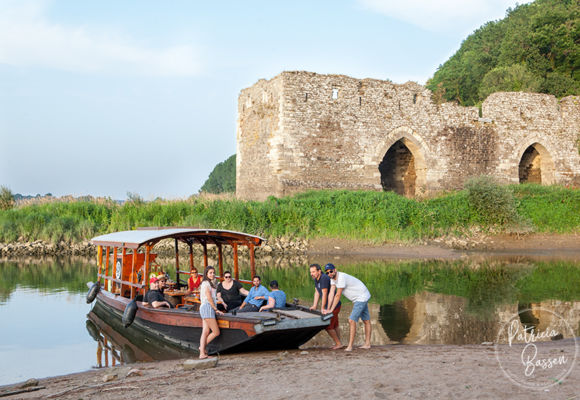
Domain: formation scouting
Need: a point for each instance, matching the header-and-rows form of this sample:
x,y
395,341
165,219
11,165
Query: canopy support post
x,y
204,255
252,260
236,271
131,277
100,260
190,256
123,254
220,260
114,266
145,279
176,262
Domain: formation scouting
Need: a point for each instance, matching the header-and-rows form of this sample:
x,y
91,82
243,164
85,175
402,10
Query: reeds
x,y
374,216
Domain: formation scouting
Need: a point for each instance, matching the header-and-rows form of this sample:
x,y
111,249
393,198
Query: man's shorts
x,y
334,319
360,309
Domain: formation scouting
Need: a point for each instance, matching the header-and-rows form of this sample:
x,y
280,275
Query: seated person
x,y
256,297
276,298
229,293
194,280
162,279
154,295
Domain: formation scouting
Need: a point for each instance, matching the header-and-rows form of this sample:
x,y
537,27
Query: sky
x,y
107,98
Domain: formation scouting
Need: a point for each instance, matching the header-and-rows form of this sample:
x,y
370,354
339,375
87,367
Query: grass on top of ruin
x,y
375,216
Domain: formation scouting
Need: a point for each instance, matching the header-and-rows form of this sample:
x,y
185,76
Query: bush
x,y
6,198
491,203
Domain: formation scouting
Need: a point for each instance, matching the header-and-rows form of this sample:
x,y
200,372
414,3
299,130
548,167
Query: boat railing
x,y
120,282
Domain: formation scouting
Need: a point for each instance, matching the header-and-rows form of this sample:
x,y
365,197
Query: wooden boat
x,y
121,285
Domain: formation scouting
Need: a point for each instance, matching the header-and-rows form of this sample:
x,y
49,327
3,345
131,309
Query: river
x,y
44,313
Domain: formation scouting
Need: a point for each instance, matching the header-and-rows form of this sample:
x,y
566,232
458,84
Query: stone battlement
x,y
302,130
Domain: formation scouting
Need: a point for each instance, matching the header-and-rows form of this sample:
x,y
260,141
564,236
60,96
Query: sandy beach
x,y
383,372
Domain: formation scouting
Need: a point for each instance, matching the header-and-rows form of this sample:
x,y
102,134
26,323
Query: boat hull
x,y
238,333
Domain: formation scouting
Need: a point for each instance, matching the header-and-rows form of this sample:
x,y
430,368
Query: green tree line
x,y
535,48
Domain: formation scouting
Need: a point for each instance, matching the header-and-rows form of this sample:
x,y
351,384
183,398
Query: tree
x,y
515,78
6,198
223,177
542,37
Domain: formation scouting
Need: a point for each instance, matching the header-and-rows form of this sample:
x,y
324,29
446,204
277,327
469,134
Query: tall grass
x,y
377,216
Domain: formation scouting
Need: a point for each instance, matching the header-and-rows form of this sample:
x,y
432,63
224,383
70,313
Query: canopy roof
x,y
137,238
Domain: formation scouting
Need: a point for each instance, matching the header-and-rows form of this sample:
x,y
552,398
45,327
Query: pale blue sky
x,y
109,97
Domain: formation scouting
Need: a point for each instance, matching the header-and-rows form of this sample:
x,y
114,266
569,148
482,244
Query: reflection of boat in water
x,y
125,346
122,284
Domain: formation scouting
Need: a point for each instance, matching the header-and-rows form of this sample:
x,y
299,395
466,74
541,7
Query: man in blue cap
x,y
323,292
356,291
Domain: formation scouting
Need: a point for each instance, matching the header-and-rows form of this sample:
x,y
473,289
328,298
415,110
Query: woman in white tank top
x,y
208,311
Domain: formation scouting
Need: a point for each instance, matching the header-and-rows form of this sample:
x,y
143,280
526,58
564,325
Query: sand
x,y
383,372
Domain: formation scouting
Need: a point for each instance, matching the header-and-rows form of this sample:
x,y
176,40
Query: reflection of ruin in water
x,y
433,318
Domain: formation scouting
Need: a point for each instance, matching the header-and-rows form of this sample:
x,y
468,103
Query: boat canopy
x,y
150,236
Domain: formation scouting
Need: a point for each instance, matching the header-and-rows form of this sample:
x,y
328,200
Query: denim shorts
x,y
206,311
360,309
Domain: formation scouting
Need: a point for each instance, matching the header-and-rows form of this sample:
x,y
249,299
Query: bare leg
x,y
215,329
333,333
368,329
203,339
352,333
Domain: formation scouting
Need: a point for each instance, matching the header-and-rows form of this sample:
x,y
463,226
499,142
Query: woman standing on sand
x,y
208,311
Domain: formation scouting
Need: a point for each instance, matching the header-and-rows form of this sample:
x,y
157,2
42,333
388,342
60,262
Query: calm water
x,y
45,330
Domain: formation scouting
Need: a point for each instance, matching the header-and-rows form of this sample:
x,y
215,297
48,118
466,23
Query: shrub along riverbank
x,y
376,216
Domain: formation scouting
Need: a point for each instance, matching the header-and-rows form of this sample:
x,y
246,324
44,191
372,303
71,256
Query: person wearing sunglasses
x,y
229,293
194,280
356,291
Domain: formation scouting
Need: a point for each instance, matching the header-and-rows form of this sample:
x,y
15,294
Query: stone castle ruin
x,y
302,130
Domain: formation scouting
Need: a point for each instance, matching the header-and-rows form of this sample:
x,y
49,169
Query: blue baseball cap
x,y
329,266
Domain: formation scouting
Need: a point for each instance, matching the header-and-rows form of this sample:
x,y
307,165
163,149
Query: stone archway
x,y
398,169
536,165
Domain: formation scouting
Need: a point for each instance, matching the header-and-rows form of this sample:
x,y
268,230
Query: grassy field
x,y
376,216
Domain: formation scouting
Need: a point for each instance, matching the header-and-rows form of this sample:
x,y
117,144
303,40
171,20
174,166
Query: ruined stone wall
x,y
259,134
334,131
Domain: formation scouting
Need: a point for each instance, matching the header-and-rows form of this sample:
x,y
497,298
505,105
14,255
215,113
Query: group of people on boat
x,y
258,298
230,296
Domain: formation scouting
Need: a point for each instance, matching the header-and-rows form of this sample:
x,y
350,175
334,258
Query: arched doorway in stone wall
x,y
536,165
398,169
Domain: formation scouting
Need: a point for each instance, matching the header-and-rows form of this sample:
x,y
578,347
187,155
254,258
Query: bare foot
x,y
365,347
337,346
203,356
348,349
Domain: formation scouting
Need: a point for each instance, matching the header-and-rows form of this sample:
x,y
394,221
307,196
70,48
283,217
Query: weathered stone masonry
x,y
302,130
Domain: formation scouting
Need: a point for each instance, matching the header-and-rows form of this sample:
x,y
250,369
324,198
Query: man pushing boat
x,y
356,291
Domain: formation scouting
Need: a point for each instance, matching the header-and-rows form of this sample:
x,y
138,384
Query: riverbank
x,y
534,245
383,372
538,245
